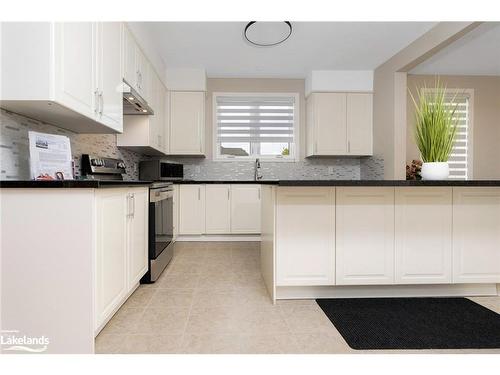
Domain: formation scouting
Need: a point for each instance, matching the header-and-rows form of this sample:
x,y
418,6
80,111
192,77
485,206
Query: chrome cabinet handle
x,y
199,193
101,103
228,194
132,198
96,102
128,205
349,146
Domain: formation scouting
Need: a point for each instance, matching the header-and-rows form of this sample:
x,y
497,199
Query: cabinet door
x,y
111,251
359,123
75,57
129,66
192,209
245,208
109,75
423,235
137,235
476,235
305,242
187,120
218,209
330,134
365,235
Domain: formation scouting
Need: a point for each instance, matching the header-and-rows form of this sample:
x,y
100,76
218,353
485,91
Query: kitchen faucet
x,y
258,173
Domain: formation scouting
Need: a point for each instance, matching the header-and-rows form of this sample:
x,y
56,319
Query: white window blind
x,y
255,125
459,159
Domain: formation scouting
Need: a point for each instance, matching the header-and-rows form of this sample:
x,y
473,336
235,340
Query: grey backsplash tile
x,y
14,162
14,148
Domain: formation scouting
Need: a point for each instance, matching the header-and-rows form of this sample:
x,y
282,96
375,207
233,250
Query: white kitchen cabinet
x,y
192,209
111,251
137,221
175,205
121,247
327,130
305,242
245,208
476,235
423,227
339,124
63,73
218,209
136,67
109,74
359,118
365,235
187,123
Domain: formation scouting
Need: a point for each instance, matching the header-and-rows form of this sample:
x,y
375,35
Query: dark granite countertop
x,y
109,183
89,184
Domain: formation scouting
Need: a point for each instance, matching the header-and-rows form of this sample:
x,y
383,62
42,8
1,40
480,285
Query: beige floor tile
x,y
172,298
184,266
110,344
163,321
261,322
492,303
321,343
178,281
222,280
307,319
147,344
125,321
140,298
211,322
269,344
211,344
248,279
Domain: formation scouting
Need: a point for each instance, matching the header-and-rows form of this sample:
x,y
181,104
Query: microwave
x,y
159,170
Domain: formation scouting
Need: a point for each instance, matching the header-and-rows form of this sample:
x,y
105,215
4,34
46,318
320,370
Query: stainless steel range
x,y
161,229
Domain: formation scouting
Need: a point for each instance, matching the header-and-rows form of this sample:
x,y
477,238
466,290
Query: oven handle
x,y
156,196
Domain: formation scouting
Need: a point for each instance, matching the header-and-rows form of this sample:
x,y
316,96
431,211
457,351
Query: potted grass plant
x,y
435,130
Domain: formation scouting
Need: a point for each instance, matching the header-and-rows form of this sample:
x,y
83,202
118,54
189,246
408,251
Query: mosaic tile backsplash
x,y
14,158
14,147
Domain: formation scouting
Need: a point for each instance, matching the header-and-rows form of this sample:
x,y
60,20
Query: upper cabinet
x,y
137,70
187,123
68,74
339,124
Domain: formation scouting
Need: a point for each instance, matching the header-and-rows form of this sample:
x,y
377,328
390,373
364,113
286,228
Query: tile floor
x,y
211,299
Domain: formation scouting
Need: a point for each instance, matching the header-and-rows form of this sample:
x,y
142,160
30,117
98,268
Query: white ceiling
x,y
220,48
476,53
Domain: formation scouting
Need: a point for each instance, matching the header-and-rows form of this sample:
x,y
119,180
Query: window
x,y
460,159
249,126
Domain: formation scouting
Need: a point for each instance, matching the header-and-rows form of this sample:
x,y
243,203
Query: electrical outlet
x,y
330,170
197,169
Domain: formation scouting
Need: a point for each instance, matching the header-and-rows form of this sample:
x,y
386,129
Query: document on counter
x,y
50,156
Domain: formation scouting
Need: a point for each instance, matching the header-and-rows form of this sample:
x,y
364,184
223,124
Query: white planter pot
x,y
435,171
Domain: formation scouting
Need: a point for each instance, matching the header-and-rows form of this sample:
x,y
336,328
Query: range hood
x,y
133,103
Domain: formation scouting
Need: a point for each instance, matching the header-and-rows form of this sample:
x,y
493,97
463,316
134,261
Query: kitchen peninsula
x,y
368,238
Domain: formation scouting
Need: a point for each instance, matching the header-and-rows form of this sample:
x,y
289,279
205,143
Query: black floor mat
x,y
413,323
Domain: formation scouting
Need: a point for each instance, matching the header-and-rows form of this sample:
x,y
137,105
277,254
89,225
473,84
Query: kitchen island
x,y
338,238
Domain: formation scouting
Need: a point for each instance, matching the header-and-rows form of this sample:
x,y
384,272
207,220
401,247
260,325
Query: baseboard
x,y
219,237
442,290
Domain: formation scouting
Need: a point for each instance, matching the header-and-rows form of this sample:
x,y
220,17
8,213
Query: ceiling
x,y
221,49
476,53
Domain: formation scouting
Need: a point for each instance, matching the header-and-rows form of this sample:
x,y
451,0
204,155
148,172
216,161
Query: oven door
x,y
161,221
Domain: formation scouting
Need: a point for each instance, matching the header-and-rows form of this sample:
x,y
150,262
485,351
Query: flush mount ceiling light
x,y
267,34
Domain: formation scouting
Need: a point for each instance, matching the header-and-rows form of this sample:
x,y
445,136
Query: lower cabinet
x,y
121,248
423,235
476,235
192,209
218,209
245,208
305,242
365,235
